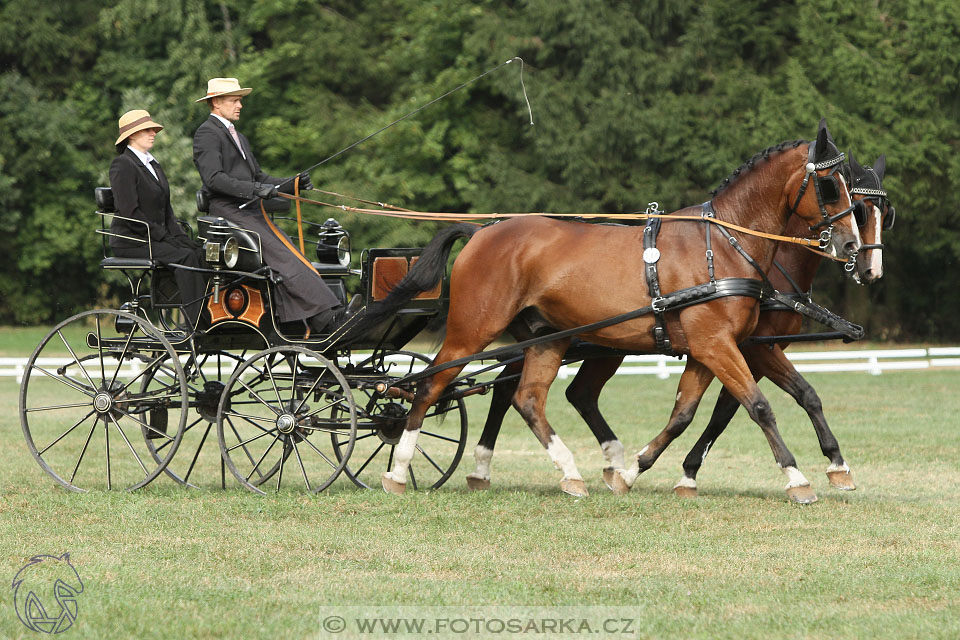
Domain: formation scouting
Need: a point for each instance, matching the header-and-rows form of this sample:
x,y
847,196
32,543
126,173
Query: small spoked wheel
x,y
382,419
84,407
275,418
198,463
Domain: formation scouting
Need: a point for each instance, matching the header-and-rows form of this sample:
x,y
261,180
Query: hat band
x,y
133,124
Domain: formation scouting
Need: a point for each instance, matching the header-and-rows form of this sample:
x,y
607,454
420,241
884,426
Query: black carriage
x,y
116,397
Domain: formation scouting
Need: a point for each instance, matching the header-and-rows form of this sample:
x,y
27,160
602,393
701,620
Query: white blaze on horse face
x,y
850,218
876,255
403,454
613,453
794,478
562,457
483,456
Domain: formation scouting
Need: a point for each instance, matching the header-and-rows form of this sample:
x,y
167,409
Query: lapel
x,y
233,145
142,167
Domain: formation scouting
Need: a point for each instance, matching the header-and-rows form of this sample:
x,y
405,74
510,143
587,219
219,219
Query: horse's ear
x,y
65,556
823,138
854,165
880,166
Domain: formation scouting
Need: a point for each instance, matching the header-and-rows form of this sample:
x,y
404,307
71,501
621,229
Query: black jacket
x,y
137,194
228,178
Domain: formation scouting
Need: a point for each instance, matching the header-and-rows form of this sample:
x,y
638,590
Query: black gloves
x,y
305,184
264,190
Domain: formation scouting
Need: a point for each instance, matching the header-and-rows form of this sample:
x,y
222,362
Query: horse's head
x,y
822,198
874,214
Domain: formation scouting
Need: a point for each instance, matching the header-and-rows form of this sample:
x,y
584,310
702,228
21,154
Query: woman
x,y
142,194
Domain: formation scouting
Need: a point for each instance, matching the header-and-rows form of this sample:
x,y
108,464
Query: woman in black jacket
x,y
141,194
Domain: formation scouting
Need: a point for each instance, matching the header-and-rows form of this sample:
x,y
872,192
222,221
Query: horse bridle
x,y
827,189
880,200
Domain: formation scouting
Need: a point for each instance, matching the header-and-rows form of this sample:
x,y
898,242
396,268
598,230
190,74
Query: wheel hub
x,y
286,423
103,402
208,400
390,422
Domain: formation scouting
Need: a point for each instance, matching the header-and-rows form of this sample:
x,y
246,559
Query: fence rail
x,y
874,362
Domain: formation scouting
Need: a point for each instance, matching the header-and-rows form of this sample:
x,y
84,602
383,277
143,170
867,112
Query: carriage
x,y
117,397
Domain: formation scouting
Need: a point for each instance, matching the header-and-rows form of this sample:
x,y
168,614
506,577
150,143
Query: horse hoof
x,y
615,482
802,495
575,488
478,484
608,474
392,486
685,492
842,480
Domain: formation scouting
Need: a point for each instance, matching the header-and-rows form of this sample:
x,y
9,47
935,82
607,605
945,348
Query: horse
x,y
570,274
795,268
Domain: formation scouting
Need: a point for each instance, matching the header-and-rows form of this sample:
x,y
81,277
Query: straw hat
x,y
133,121
223,87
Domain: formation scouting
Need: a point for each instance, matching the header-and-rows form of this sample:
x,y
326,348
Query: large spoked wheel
x,y
275,416
440,443
84,408
199,462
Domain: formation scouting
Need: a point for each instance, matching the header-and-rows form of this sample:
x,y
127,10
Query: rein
x,y
396,212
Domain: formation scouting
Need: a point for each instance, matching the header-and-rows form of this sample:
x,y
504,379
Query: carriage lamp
x,y
220,250
333,244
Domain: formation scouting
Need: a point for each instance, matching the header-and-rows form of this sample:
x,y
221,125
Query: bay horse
x,y
793,273
572,274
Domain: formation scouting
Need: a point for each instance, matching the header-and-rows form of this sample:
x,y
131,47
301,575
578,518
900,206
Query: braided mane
x,y
746,166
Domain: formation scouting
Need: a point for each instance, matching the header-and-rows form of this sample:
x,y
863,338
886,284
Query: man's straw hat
x,y
133,121
223,87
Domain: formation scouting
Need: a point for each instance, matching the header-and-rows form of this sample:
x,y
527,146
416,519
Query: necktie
x,y
236,138
155,166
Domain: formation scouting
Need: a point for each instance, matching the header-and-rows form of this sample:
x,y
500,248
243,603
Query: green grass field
x,y
738,562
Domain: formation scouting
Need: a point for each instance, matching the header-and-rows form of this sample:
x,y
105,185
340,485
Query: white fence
x,y
874,362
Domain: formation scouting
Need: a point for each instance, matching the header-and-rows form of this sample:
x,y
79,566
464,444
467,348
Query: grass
x,y
738,562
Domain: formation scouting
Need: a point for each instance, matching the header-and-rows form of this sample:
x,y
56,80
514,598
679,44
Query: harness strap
x,y
802,304
651,255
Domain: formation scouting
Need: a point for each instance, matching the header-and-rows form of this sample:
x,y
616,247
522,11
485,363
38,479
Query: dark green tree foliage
x,y
633,102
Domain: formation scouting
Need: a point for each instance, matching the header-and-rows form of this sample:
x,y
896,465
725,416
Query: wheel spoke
x,y
126,345
67,381
367,461
283,461
167,443
258,397
58,406
143,424
245,450
273,383
64,434
106,439
197,454
308,393
171,372
77,360
439,437
130,446
413,478
103,370
249,418
256,466
303,471
430,460
256,437
83,451
320,453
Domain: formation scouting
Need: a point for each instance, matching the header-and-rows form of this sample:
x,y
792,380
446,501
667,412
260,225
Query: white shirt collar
x,y
225,122
145,158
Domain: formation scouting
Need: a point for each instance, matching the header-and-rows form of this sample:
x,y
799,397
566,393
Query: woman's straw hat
x,y
133,121
223,87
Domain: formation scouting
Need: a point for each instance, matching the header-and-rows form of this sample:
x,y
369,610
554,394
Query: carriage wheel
x,y
199,456
440,443
82,407
275,415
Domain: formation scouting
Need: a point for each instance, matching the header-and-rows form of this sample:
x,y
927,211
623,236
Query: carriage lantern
x,y
220,250
333,244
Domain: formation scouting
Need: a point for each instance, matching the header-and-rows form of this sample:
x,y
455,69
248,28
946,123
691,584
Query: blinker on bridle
x,y
827,190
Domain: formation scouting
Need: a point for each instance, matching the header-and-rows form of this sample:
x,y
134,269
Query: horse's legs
x,y
428,392
773,363
539,371
693,383
723,412
726,361
499,404
583,393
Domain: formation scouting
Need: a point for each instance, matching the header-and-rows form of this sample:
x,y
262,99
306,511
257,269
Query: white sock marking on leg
x,y
483,457
794,478
403,454
562,457
613,453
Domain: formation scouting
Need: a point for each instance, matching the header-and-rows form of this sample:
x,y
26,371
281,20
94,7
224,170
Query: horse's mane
x,y
746,166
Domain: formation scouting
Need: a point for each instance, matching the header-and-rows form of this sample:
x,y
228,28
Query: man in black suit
x,y
141,195
232,177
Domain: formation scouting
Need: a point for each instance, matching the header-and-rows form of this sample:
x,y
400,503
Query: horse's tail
x,y
423,276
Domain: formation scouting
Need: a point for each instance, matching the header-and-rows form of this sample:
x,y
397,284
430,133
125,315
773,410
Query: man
x,y
232,177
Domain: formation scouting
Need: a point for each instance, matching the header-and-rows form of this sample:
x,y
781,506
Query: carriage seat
x,y
105,204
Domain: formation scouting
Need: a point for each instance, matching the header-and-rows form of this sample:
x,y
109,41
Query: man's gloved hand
x,y
305,184
264,190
